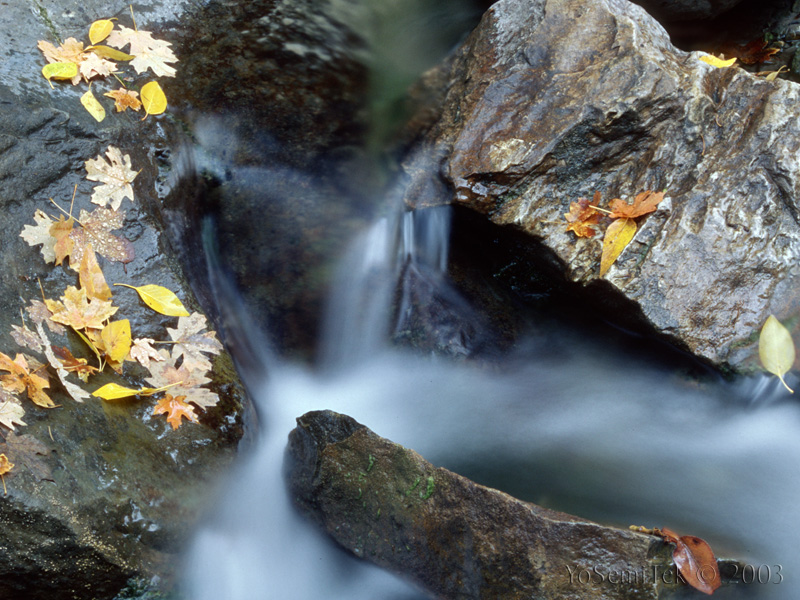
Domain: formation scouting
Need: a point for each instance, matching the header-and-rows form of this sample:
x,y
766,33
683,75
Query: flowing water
x,y
568,419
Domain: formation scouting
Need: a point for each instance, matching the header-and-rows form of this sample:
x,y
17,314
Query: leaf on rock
x,y
114,391
39,313
75,391
149,53
183,381
582,218
644,203
125,99
617,236
11,411
756,52
191,342
26,338
175,407
109,53
40,234
96,66
64,245
92,106
99,30
71,51
717,62
153,98
59,70
91,276
116,176
79,311
695,561
776,349
72,364
160,299
116,337
27,452
96,230
143,352
21,379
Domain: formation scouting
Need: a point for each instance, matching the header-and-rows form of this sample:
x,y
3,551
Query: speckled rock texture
x,y
551,100
687,10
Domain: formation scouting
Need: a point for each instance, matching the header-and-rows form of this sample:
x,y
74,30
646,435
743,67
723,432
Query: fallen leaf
x,y
59,70
40,234
26,338
92,106
61,232
114,391
776,349
175,408
695,561
71,51
143,352
96,230
183,381
76,392
71,364
717,62
26,451
191,342
644,203
5,467
109,53
153,99
96,66
149,53
125,99
756,52
116,175
582,217
617,236
21,379
11,410
99,30
91,276
116,338
160,299
39,313
79,311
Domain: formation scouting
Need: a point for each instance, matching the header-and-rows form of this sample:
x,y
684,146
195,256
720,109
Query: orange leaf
x,y
618,235
5,465
581,216
69,362
644,203
79,311
91,276
22,379
175,408
695,561
125,99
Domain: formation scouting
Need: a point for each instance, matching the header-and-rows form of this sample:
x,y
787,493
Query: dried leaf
x,y
644,203
99,30
755,52
116,176
125,99
776,349
21,379
96,66
149,53
71,51
95,230
175,408
116,338
717,62
26,338
75,391
695,561
153,99
79,311
39,313
40,234
582,217
160,299
11,410
5,467
143,352
183,381
92,106
617,236
91,276
71,364
191,342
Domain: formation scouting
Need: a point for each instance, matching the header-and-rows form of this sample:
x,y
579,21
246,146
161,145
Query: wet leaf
x,y
27,452
39,313
114,391
26,338
96,230
40,234
153,99
756,52
22,379
149,53
160,299
71,364
717,62
175,408
99,30
5,467
91,276
143,352
75,391
192,342
60,70
644,203
96,66
183,381
116,177
695,561
125,99
92,106
116,338
617,237
71,51
79,311
110,53
11,411
776,349
582,218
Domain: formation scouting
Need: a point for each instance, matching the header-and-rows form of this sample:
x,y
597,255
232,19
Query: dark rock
x,y
551,100
687,10
101,492
452,537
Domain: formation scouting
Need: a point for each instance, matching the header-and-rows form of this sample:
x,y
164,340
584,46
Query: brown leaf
x,y
22,379
755,52
96,230
79,311
582,217
143,352
11,410
26,451
75,391
70,51
125,99
644,203
695,561
64,244
91,276
71,364
184,381
175,408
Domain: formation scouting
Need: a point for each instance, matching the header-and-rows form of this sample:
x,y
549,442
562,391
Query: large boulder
x,y
548,101
685,10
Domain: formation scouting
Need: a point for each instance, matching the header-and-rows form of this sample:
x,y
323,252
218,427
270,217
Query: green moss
x,y
428,490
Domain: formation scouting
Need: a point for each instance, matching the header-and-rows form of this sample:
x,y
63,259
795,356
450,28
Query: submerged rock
x,y
551,100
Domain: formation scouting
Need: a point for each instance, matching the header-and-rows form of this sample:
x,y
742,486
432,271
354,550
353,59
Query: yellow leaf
x,y
91,276
153,98
717,62
114,391
116,337
59,70
618,234
110,53
91,104
160,299
776,349
99,30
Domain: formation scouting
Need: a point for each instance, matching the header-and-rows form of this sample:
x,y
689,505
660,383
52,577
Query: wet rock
x,y
452,537
686,10
100,492
550,100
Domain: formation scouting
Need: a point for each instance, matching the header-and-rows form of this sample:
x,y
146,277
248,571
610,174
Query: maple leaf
x,y
175,407
95,66
26,338
40,234
70,51
11,410
76,392
96,230
91,276
116,176
125,99
182,381
191,342
148,52
581,216
644,203
71,364
5,467
79,311
26,451
21,379
143,352
755,52
39,313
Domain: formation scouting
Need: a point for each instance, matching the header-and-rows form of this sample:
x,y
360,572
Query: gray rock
x,y
687,10
551,100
